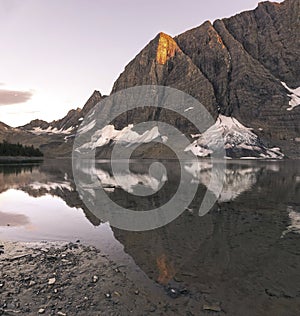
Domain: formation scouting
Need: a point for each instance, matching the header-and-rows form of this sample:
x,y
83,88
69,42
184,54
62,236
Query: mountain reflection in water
x,y
245,248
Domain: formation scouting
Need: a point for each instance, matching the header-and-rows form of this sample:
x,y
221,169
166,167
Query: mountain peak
x,y
4,126
91,102
166,48
97,93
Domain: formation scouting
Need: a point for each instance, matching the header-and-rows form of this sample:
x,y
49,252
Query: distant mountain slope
x,y
55,139
67,124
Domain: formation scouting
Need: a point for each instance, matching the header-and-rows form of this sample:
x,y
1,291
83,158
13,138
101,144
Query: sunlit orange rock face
x,y
215,38
166,48
165,268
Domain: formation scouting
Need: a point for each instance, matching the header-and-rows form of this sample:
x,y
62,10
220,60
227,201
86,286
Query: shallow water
x,y
245,251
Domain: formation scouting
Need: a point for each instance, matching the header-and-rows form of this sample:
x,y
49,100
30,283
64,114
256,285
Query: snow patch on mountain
x,y
188,109
126,136
237,140
295,96
50,130
87,127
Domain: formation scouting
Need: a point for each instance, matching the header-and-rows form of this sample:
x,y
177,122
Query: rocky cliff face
x,y
162,62
237,66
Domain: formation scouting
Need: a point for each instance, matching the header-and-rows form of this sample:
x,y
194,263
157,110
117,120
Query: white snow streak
x,y
295,96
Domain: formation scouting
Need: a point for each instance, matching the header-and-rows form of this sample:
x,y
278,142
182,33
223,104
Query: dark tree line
x,y
8,149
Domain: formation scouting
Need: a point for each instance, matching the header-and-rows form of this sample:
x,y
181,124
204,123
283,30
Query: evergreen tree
x,y
8,149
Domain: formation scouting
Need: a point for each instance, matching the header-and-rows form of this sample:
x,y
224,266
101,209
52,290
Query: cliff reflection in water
x,y
244,250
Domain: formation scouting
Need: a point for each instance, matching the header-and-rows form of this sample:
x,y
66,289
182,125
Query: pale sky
x,y
55,53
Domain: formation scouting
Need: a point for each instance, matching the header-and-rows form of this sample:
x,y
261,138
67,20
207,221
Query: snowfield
x,y
227,136
295,96
238,141
50,130
125,136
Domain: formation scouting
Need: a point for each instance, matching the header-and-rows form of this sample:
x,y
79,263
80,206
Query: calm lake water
x,y
245,251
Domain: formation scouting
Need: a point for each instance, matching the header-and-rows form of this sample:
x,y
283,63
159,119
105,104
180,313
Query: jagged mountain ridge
x,y
244,61
67,124
245,66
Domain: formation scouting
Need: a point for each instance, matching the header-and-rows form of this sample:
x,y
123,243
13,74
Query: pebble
x,y
51,281
61,314
41,311
176,279
174,293
95,278
272,292
152,309
213,308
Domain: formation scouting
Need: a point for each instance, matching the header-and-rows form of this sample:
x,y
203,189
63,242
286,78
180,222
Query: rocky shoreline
x,y
75,279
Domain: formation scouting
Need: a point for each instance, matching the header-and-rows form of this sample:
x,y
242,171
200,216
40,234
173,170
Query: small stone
x,y
51,281
289,294
184,291
272,292
174,293
31,283
176,279
55,291
41,311
137,292
213,308
107,295
61,314
152,309
95,278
